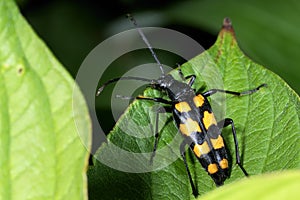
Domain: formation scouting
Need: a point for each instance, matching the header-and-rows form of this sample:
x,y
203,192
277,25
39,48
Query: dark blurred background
x,y
267,31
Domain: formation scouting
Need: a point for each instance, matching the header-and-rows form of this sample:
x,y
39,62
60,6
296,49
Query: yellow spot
x,y
212,168
200,149
182,107
224,163
189,126
199,100
209,119
217,143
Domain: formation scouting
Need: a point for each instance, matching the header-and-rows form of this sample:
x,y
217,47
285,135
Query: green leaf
x,y
41,153
267,125
276,186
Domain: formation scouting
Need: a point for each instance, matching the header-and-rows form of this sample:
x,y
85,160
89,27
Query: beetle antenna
x,y
146,42
123,78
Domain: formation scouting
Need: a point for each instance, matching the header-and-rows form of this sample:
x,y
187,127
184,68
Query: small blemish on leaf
x,y
20,70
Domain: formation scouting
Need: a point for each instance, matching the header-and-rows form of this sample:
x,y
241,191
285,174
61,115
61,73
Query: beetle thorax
x,y
176,90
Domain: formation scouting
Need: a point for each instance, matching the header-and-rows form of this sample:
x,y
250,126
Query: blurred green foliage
x,y
267,31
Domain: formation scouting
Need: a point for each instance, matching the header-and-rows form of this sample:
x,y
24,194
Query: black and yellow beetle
x,y
194,118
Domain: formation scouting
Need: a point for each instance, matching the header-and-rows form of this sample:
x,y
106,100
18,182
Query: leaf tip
x,y
227,23
227,28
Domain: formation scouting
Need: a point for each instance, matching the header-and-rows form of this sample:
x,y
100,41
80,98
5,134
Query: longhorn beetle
x,y
194,118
